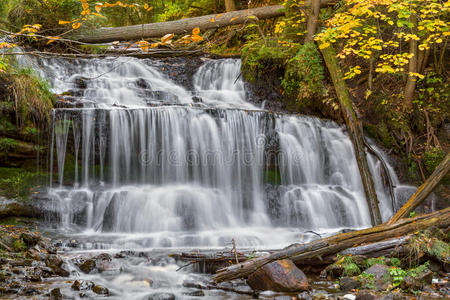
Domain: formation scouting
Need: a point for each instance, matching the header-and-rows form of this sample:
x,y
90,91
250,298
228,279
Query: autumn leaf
x,y
52,39
196,31
76,25
212,20
167,37
233,19
64,22
98,7
196,38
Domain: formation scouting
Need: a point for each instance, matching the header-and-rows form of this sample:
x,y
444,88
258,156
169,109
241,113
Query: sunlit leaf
x,y
196,31
64,22
76,25
167,37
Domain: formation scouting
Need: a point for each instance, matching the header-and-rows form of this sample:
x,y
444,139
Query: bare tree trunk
x,y
424,190
323,247
412,68
313,18
355,131
229,5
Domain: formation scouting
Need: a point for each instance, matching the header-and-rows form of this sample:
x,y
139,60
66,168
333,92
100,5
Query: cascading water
x,y
156,164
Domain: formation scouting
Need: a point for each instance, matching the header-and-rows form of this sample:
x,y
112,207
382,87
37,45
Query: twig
x,y
6,247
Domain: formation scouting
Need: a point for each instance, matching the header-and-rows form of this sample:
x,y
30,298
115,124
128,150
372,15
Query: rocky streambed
x,y
38,262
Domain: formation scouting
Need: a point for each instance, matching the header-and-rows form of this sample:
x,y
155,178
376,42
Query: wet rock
x,y
55,294
53,261
198,293
21,262
366,295
30,238
87,266
197,99
29,290
349,283
35,274
417,280
194,285
348,297
82,285
35,254
279,276
381,276
304,296
100,290
63,270
142,84
160,296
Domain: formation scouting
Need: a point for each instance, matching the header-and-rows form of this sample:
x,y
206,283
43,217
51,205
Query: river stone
x,y
198,293
161,296
278,276
53,261
381,273
55,294
349,283
366,295
30,239
87,266
82,285
100,290
418,281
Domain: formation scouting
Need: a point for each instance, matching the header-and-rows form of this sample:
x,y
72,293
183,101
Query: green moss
x,y
19,183
395,262
272,176
374,260
303,79
351,269
19,245
7,145
432,158
440,250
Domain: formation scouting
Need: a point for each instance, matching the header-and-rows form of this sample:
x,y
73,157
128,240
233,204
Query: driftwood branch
x,y
424,190
334,244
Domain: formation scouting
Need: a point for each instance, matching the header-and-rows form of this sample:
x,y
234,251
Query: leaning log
x,y
355,131
424,190
183,26
332,245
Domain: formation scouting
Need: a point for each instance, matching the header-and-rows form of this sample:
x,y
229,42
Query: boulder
x,y
417,280
279,276
82,285
30,238
366,295
349,283
197,293
100,290
87,266
55,294
381,276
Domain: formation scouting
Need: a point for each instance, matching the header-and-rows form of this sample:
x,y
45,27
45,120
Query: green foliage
x,y
351,269
7,145
18,183
395,262
397,275
258,58
432,158
412,214
303,79
375,260
19,245
367,280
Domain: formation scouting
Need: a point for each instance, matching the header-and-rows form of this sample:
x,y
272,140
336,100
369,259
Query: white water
x,y
195,174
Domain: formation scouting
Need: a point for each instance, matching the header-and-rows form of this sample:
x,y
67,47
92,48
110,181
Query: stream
x,y
157,156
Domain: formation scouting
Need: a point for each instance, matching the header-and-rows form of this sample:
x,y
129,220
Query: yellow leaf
x,y
52,39
150,8
212,20
98,8
76,25
64,22
98,15
196,31
85,6
154,45
167,37
145,6
196,38
219,15
233,19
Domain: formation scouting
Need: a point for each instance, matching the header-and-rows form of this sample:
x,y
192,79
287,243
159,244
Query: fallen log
x,y
183,26
332,245
424,190
355,131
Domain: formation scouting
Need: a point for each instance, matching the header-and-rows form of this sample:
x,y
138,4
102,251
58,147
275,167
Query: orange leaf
x,y
98,8
233,19
64,22
212,20
52,39
85,6
196,31
196,38
167,37
154,45
76,25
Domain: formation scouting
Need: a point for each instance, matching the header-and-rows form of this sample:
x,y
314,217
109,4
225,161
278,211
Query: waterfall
x,y
165,165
